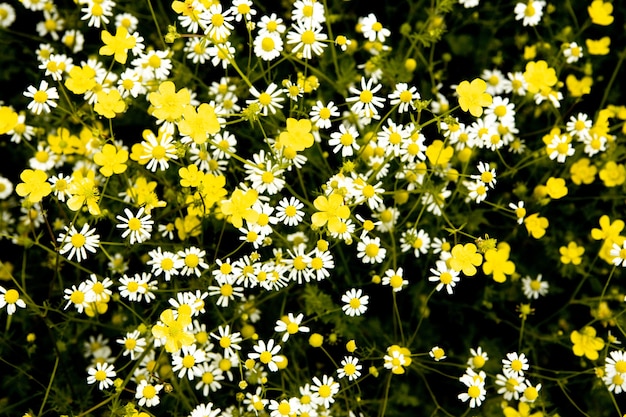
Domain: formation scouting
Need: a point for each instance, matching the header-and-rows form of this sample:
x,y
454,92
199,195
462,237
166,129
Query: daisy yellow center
x,y
243,8
371,250
272,26
346,139
192,260
292,328
207,378
189,361
51,25
500,111
517,365
128,84
267,44
226,290
252,236
154,61
217,19
617,379
366,96
486,177
226,269
12,296
395,281
445,278
395,138
349,369
284,409
290,211
42,156
267,177
225,342
386,216
317,263
531,393
265,99
355,303
324,391
225,364
77,297
158,152
530,10
406,96
479,361
369,191
134,224
562,148
100,375
325,113
413,149
535,285
167,264
473,391
78,240
40,97
377,27
133,286
149,392
299,263
308,37
265,357
307,10
130,344
418,243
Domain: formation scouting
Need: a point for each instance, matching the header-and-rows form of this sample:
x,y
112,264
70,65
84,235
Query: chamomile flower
x,y
242,10
320,114
530,12
289,211
11,300
226,290
205,410
572,52
307,40
533,288
210,376
404,96
372,29
77,296
78,243
271,24
220,25
267,46
437,353
487,174
444,276
355,302
227,340
350,368
133,344
308,12
269,100
193,261
148,394
137,287
395,279
289,325
43,98
618,254
102,373
186,360
267,354
324,390
476,391
164,262
344,140
515,364
364,101
510,385
138,227
370,250
477,358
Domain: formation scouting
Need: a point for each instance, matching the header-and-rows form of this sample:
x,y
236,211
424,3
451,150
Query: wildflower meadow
x,y
312,208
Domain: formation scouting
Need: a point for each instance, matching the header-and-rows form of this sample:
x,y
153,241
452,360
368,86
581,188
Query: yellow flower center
x,y
265,357
11,297
377,27
445,278
267,44
77,297
395,281
531,393
473,391
100,375
132,286
620,366
130,344
265,99
366,96
192,260
40,97
149,392
284,408
226,290
308,37
134,224
517,365
78,240
324,391
189,361
371,250
406,96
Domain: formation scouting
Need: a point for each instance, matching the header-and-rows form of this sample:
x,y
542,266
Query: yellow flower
x,y
571,254
111,160
238,207
173,330
523,410
576,87
109,104
8,119
168,103
117,45
536,225
35,186
473,96
613,174
63,142
438,154
497,262
600,12
465,258
608,230
556,188
84,191
197,125
581,172
586,343
539,76
81,79
330,211
298,135
598,47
